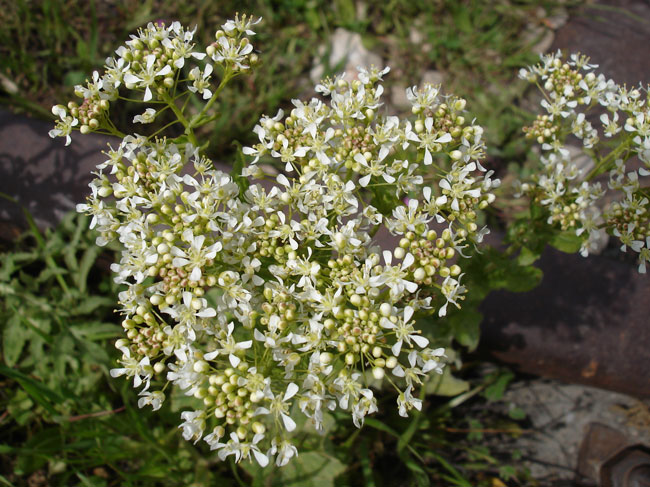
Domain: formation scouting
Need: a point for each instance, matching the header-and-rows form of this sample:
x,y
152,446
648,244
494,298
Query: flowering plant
x,y
264,301
292,286
578,200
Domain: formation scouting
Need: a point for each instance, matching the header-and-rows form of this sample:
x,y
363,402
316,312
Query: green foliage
x,y
65,419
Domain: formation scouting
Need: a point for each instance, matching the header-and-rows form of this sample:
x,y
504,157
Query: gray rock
x,y
433,77
398,98
40,173
346,53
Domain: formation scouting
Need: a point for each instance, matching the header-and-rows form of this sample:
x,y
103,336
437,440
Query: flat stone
x,y
346,53
433,77
44,176
398,98
586,323
615,34
560,417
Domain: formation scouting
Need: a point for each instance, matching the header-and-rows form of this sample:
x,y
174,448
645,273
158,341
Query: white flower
x,y
285,450
155,399
452,291
196,255
242,450
193,426
64,125
395,276
279,405
404,331
431,140
148,116
406,402
147,76
201,81
230,347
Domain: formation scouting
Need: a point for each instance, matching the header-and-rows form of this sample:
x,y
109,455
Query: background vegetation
x,y
64,421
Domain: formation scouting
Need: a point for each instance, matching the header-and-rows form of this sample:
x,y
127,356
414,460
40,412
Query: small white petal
x,y
289,423
261,458
292,389
419,340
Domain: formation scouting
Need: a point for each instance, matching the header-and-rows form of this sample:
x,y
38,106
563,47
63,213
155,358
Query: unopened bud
x,y
386,309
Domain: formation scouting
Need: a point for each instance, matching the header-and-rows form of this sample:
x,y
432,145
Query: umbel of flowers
x,y
572,195
269,301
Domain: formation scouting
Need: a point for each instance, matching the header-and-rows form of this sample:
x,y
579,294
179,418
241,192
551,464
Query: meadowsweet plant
x,y
265,294
579,199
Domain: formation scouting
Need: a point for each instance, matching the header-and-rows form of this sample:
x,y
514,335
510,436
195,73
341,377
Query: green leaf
x,y
567,242
14,337
5,482
378,425
493,270
421,477
507,472
495,391
517,413
96,330
85,264
384,199
446,384
90,304
522,279
73,78
37,390
466,326
310,469
527,257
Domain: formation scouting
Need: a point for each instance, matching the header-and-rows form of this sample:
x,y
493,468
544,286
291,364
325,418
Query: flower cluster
x,y
573,195
269,300
151,62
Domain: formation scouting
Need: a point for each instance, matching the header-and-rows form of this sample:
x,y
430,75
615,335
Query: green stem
x,y
181,118
163,128
612,155
228,75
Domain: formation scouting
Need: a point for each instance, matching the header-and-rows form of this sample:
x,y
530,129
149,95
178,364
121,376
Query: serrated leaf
x,y
85,264
37,390
14,337
90,304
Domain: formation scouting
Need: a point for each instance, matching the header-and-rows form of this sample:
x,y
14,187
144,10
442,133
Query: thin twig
x,y
95,415
487,430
